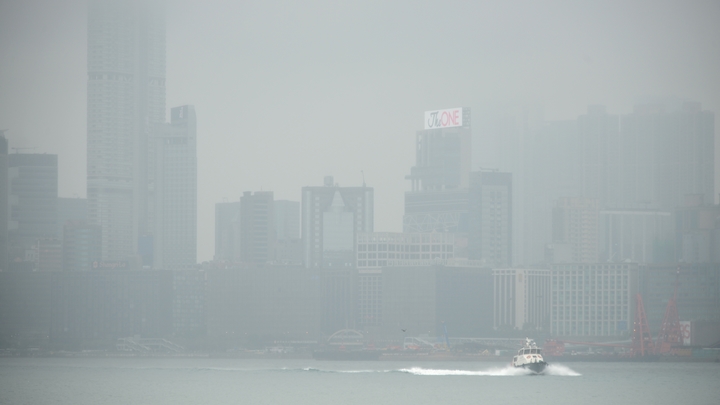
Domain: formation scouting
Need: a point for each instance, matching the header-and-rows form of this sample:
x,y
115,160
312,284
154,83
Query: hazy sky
x,y
287,93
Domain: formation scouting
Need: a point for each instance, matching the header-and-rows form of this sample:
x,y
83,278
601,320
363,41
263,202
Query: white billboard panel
x,y
685,330
443,118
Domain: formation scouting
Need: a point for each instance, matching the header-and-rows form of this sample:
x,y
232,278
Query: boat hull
x,y
536,368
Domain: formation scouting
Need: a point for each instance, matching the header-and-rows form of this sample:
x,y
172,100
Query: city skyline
x,y
602,71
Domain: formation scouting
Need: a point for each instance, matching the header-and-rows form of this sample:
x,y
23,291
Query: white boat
x,y
530,357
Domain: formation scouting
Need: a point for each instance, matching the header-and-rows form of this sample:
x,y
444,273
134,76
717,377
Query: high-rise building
x,y
436,211
227,231
126,97
4,195
552,170
599,137
697,238
490,218
638,236
257,227
287,219
288,248
575,230
437,201
70,210
331,218
513,138
442,151
667,152
49,254
33,188
174,236
80,245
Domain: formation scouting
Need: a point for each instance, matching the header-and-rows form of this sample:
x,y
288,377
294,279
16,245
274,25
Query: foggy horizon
x,y
287,93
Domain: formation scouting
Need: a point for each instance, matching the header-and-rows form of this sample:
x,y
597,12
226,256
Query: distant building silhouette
x,y
4,199
575,230
71,209
126,97
331,217
437,201
33,189
174,242
257,227
80,246
490,228
227,231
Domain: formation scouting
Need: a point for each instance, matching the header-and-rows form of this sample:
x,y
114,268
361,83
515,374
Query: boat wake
x,y
552,370
560,370
497,372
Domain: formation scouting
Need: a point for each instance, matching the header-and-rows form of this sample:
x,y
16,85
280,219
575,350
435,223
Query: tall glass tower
x,y
126,97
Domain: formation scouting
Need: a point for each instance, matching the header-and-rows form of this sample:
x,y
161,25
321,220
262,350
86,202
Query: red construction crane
x,y
670,332
642,343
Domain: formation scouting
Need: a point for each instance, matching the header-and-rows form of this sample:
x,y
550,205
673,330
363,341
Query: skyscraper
x,y
438,198
126,97
4,195
257,227
174,235
575,230
33,189
490,218
227,231
331,218
600,150
667,152
442,151
287,219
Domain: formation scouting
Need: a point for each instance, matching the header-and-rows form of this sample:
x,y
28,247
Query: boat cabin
x,y
529,351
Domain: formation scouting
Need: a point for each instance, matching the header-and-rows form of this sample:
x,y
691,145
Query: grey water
x,y
177,381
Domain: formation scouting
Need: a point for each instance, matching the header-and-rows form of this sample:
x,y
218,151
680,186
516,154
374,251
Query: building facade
x,y
439,180
287,219
575,230
490,218
174,235
81,246
667,152
331,217
442,151
70,210
4,198
392,249
521,299
33,188
638,236
257,227
595,299
126,98
697,238
227,231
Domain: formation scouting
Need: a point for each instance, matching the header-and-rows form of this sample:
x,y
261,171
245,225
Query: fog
x,y
287,93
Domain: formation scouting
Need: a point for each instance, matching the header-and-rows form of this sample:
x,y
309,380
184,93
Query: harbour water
x,y
115,381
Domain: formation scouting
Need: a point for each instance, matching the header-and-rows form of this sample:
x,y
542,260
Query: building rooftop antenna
x,y
363,177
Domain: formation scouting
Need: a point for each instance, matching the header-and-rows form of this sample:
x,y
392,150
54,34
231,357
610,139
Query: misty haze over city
x,y
410,182
346,84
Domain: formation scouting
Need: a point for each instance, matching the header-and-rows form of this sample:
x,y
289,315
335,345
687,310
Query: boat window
x,y
534,351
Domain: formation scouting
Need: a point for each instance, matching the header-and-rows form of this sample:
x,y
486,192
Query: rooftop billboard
x,y
452,117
